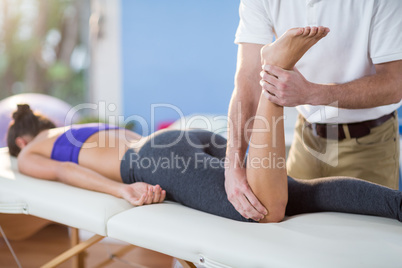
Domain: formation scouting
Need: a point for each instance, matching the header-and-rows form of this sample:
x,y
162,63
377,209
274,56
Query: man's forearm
x,y
241,111
244,101
243,106
379,89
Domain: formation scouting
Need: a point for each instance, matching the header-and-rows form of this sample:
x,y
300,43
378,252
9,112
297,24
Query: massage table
x,y
194,237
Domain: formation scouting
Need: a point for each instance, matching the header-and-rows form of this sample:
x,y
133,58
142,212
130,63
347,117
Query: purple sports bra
x,y
68,145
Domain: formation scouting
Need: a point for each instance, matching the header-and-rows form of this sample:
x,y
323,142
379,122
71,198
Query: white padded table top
x,y
309,240
55,201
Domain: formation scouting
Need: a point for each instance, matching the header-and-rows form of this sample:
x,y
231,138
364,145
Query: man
x,y
346,90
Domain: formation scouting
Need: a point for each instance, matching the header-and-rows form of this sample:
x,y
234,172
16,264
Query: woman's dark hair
x,y
25,122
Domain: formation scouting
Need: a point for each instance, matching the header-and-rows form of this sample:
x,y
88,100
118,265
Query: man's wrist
x,y
321,94
235,161
232,152
233,172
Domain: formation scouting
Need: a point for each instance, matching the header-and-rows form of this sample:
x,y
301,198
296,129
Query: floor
x,y
54,239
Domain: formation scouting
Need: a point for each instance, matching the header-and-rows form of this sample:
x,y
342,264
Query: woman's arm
x,y
38,166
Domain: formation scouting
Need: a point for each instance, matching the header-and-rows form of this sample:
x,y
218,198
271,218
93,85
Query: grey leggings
x,y
189,165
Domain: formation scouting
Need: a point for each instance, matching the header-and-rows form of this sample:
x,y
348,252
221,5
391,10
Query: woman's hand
x,y
141,193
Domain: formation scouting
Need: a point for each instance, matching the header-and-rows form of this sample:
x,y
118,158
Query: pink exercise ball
x,y
53,108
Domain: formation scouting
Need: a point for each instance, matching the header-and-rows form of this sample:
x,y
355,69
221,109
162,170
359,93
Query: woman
x,y
188,166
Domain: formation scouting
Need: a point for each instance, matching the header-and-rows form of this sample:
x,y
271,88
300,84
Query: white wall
x,y
105,70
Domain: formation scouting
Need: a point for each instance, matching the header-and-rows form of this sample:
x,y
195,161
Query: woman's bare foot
x,y
141,193
291,46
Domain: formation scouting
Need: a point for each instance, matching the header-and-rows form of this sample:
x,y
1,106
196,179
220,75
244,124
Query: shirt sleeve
x,y
385,43
255,24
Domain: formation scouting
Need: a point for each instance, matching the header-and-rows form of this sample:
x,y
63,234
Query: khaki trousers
x,y
374,157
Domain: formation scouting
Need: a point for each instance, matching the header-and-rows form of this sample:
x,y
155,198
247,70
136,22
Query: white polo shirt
x,y
363,33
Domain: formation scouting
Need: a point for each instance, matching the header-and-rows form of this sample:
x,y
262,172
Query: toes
x,y
310,32
295,31
326,31
306,31
299,31
313,32
321,31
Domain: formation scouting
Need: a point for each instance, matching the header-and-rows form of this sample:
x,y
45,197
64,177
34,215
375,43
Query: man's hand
x,y
241,196
287,88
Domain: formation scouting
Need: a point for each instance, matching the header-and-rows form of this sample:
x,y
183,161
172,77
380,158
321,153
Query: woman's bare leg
x,y
266,167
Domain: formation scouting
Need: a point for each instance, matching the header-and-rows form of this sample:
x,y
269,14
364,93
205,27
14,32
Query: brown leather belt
x,y
356,130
